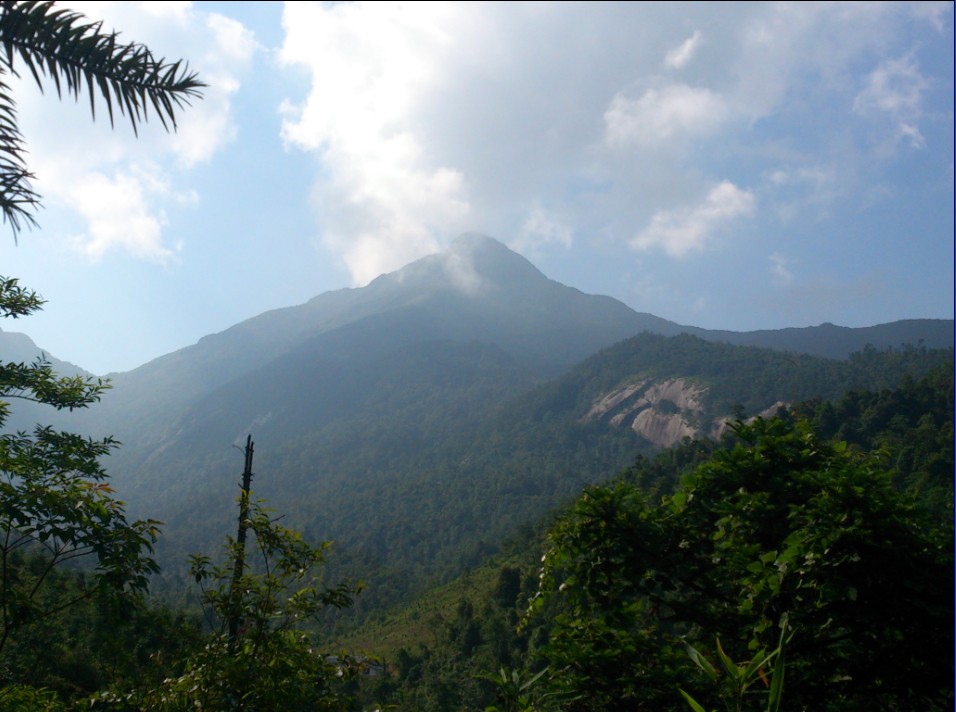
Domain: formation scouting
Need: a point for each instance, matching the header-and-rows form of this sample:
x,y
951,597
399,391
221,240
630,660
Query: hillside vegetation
x,y
834,521
417,482
442,439
617,597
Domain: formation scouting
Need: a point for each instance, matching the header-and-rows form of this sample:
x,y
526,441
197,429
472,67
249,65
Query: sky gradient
x,y
750,166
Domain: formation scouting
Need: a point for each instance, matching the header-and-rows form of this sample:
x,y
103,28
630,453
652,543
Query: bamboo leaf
x,y
730,666
701,662
694,705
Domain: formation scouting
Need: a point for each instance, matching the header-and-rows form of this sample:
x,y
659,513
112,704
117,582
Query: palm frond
x,y
60,45
18,201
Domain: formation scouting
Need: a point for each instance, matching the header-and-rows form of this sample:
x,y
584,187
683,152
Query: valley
x,y
427,426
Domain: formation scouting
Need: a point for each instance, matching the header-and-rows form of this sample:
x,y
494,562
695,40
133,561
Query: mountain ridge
x,y
476,265
425,415
476,290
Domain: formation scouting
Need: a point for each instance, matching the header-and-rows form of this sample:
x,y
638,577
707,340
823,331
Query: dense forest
x,y
819,542
454,456
529,542
825,528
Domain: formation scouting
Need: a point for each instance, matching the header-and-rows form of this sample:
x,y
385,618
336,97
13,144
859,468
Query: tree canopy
x,y
56,505
782,526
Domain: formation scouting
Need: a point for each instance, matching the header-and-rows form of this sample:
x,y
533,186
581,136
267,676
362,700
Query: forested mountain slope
x,y
477,291
419,460
422,418
422,421
442,648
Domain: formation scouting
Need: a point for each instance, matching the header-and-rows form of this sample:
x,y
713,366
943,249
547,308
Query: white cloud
x,y
780,267
461,272
542,227
384,218
538,122
684,231
932,12
219,48
802,193
384,201
660,115
680,56
791,54
112,180
118,216
208,125
817,177
895,88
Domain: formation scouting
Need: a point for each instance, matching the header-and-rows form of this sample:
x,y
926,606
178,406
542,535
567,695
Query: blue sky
x,y
731,166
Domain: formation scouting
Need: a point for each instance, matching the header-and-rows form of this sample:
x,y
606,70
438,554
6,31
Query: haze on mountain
x,y
428,414
507,300
478,291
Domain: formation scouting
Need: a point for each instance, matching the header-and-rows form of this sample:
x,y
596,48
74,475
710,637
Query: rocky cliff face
x,y
663,412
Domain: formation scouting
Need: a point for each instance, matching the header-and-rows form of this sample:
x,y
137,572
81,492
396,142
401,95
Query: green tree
x,y
273,663
782,523
56,505
95,643
521,693
736,679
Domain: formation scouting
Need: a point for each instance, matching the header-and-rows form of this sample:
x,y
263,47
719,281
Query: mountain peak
x,y
477,244
474,240
472,264
474,259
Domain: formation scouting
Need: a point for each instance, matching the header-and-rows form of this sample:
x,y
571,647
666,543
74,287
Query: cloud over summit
x,y
431,119
703,162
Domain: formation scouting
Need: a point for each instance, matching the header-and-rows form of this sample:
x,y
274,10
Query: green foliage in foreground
x,y
523,693
433,665
97,643
782,520
781,524
57,510
737,679
912,425
25,698
272,663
